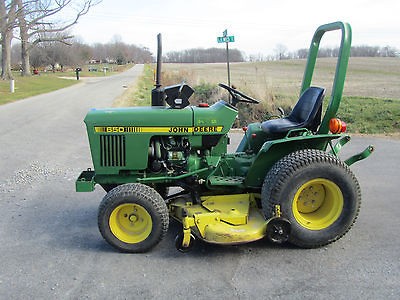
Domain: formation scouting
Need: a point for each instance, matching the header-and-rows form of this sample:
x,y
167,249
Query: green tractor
x,y
285,180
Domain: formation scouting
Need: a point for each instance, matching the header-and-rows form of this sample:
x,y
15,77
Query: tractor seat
x,y
305,114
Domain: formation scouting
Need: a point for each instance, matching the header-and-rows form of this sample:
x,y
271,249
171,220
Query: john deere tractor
x,y
284,182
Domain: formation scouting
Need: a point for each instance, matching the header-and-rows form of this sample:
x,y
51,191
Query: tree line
x,y
281,52
215,55
200,55
41,28
76,53
59,55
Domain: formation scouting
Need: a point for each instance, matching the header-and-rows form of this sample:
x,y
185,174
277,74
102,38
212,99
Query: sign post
x,y
12,86
226,39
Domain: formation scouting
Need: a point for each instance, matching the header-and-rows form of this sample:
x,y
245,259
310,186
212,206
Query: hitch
x,y
338,146
355,158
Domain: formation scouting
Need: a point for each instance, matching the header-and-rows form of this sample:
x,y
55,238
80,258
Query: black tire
x,y
108,187
133,218
163,190
316,192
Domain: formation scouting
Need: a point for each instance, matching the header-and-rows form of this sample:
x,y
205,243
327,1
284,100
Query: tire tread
x,y
285,169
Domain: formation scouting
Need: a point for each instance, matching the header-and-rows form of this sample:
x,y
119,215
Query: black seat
x,y
305,114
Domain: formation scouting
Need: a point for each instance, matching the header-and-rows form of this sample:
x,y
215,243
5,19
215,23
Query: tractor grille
x,y
112,151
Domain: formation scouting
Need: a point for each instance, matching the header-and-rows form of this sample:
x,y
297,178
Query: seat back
x,y
305,114
307,111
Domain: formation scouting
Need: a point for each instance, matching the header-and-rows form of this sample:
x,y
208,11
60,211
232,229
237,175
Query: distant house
x,y
94,61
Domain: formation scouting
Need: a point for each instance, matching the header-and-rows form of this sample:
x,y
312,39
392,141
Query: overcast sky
x,y
258,25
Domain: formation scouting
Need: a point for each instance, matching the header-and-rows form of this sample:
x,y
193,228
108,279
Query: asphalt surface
x,y
50,247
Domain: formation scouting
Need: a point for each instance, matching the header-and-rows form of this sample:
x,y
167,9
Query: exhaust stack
x,y
157,94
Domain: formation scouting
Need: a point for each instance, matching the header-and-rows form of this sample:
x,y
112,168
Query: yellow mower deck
x,y
221,219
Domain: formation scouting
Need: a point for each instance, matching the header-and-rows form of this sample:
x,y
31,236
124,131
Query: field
x,y
371,98
366,77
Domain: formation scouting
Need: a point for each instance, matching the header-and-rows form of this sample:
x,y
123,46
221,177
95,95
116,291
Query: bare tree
x,y
7,24
36,20
200,55
281,51
37,24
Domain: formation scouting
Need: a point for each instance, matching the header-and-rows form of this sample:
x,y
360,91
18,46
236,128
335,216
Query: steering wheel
x,y
238,96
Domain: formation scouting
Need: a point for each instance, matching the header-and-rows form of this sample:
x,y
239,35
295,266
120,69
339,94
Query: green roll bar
x,y
341,68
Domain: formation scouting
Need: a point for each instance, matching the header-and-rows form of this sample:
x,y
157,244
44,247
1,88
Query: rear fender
x,y
272,151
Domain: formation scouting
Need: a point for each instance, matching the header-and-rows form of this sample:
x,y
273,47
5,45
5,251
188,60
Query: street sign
x,y
226,39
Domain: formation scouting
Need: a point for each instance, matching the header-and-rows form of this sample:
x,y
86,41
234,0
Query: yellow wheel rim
x,y
130,223
317,204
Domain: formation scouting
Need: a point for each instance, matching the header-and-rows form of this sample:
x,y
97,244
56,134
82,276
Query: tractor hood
x,y
112,131
216,119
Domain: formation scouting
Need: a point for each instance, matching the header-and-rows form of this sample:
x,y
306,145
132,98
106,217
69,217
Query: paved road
x,y
50,247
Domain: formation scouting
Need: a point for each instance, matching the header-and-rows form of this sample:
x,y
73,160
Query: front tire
x,y
133,218
316,192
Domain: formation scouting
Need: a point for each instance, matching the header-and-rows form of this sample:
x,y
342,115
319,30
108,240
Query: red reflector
x,y
244,128
344,126
336,125
204,105
254,135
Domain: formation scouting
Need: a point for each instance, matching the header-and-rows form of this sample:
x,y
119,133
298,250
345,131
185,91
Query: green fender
x,y
272,151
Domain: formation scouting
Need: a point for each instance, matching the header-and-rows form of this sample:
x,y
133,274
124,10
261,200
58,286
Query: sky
x,y
257,25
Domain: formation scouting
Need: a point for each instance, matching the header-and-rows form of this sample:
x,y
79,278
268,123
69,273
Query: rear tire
x,y
133,217
316,192
163,190
108,187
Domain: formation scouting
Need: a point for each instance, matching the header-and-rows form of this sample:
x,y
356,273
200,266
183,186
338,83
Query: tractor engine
x,y
168,153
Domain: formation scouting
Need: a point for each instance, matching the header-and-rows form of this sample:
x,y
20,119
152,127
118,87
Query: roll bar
x,y
341,68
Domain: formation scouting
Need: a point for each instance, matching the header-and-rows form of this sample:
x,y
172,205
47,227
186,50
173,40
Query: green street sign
x,y
226,39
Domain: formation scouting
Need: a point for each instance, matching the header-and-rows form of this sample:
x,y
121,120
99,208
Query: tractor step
x,y
226,180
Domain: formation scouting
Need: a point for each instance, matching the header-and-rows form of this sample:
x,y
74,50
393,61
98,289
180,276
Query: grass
x,y
30,86
140,93
367,77
371,115
371,98
48,81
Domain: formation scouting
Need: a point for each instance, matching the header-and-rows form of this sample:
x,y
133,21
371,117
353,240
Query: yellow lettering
x,y
132,129
207,129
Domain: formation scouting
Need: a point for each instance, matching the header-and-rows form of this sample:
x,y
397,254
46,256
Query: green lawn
x,y
371,115
49,81
31,86
140,93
